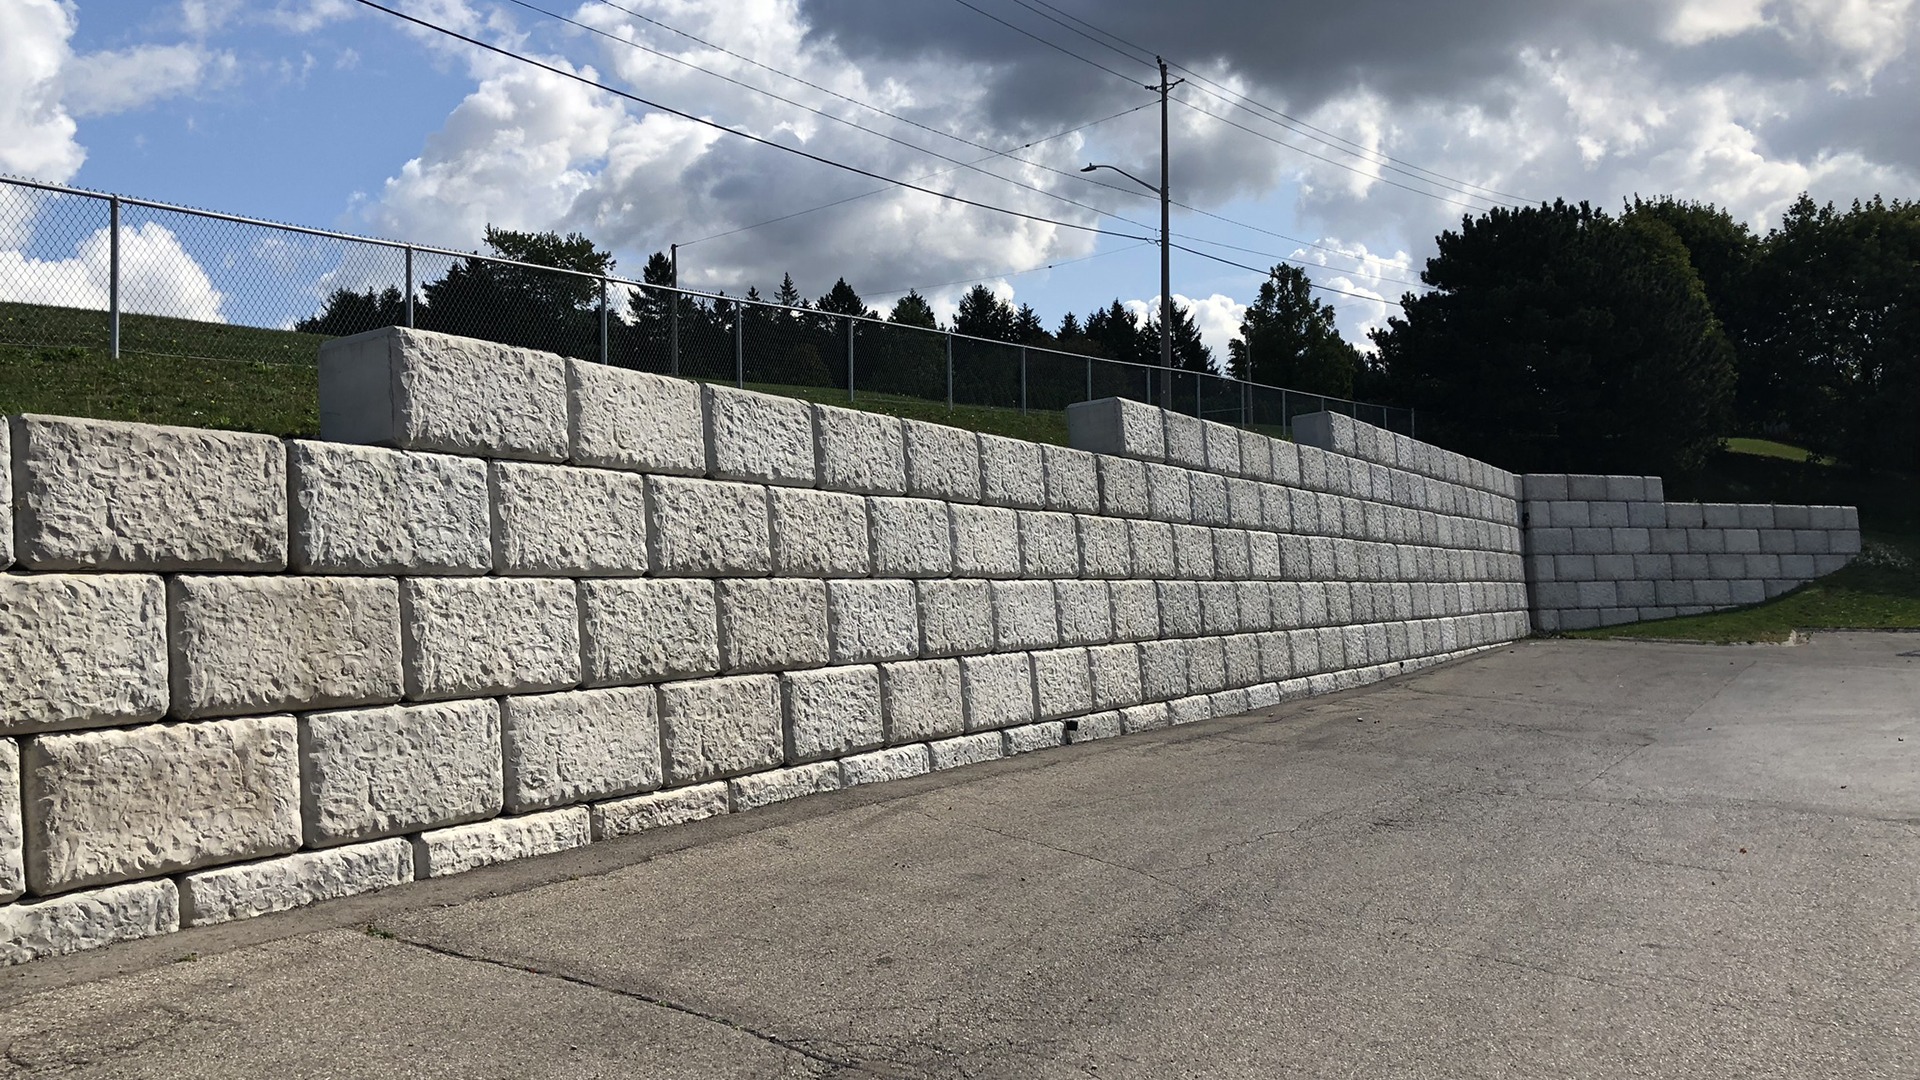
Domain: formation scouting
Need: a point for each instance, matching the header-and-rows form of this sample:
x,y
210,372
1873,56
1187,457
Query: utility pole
x,y
1166,262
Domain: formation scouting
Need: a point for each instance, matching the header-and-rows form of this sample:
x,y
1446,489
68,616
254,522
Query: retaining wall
x,y
523,604
1605,550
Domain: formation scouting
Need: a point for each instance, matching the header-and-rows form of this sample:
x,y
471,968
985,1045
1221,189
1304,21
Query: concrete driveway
x,y
1560,859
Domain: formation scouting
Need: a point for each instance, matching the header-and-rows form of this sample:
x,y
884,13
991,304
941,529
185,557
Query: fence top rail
x,y
400,245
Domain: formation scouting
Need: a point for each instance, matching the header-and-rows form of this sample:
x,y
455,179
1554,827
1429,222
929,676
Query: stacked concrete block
x,y
635,631
460,848
942,462
1012,473
555,520
772,624
874,620
225,893
705,528
367,510
580,746
716,728
368,773
82,651
911,538
832,712
921,700
819,533
630,420
243,644
780,785
470,637
758,438
416,390
859,452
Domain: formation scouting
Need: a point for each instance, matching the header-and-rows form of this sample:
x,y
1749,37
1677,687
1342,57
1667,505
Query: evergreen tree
x,y
1028,329
1288,339
842,300
913,310
348,312
789,294
983,315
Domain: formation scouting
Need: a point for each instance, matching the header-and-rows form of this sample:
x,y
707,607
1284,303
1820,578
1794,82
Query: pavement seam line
x,y
684,1010
1062,850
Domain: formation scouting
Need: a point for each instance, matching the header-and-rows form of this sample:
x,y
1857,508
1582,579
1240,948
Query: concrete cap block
x,y
957,616
367,510
758,438
860,452
1626,489
942,462
1119,427
911,537
819,533
561,749
832,712
1072,480
456,850
555,520
367,773
1832,517
707,528
635,631
1012,473
1793,517
715,728
772,624
1756,516
633,420
82,650
88,920
879,766
626,817
226,893
472,637
244,644
1586,487
1186,440
418,390
780,785
1721,515
104,495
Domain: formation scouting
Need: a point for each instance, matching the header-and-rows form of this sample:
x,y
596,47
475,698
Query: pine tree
x,y
1288,339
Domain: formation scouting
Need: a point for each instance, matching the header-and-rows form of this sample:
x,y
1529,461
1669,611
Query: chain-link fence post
x,y
673,319
1199,385
949,371
740,345
604,358
409,286
1412,429
850,326
1089,378
1023,380
113,277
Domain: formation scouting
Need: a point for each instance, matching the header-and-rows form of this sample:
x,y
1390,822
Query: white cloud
x,y
36,130
158,277
103,83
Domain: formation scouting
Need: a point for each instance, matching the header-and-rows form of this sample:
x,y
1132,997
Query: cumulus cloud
x,y
36,130
102,83
157,276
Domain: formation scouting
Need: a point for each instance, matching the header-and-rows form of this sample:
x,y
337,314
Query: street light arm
x,y
1126,174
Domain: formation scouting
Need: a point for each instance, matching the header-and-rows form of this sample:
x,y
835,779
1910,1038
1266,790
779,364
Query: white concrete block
x,y
103,495
418,390
1223,448
107,806
1024,615
555,520
1085,612
1246,503
1256,456
942,462
1190,710
779,785
366,510
997,691
1227,703
561,749
859,452
1012,473
1117,426
758,438
243,644
772,624
1049,545
1209,498
1044,736
1151,544
819,533
832,712
1263,556
1073,480
705,528
957,616
1136,610
1105,552
1163,669
367,773
1233,554
873,620
966,750
632,420
1114,675
912,538
82,650
1062,683
456,850
1123,487
878,766
1219,607
636,631
714,728
1186,440
626,817
1180,611
225,893
921,700
1244,667
1286,463
469,637
1206,665
1193,551
1169,493
88,920
1100,725
986,541
1145,717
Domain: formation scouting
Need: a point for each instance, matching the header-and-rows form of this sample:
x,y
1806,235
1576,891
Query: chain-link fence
x,y
104,274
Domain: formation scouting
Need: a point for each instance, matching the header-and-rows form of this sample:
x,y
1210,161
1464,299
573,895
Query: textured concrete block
x,y
1244,666
1748,592
646,630
561,749
779,785
758,438
1104,548
1256,456
456,850
88,920
82,650
1180,611
1227,703
1193,551
1758,516
226,893
1313,463
1206,665
468,637
1123,487
1233,554
103,495
1169,493
1209,498
1586,487
368,773
1045,736
107,806
997,691
1145,717
1061,683
1151,544
1186,440
878,766
772,624
1263,556
957,617
365,510
1136,610
819,533
1223,448
418,390
1100,725
1163,669
1117,426
1603,514
874,620
1793,517
911,537
1812,542
966,750
631,420
1085,612
1246,503
255,644
832,712
986,541
1114,676
1072,480
715,728
1024,615
705,528
1012,473
1219,607
860,452
1049,545
942,462
13,871
921,700
626,817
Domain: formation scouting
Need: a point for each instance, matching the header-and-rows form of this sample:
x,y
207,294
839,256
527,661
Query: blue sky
x,y
323,113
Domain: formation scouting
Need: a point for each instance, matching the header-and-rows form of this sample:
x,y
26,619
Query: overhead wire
x,y
1007,274
1310,284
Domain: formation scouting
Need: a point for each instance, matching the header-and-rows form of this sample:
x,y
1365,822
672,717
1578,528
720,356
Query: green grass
x,y
1769,448
1037,425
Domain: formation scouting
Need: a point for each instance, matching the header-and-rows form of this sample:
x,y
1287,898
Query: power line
x,y
1055,46
1009,273
1310,285
716,125
1302,262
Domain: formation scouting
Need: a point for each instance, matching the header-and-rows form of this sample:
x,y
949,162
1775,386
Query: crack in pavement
x,y
1181,889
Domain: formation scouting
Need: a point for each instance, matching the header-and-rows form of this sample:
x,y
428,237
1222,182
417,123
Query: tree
x,y
1725,253
984,315
913,310
842,300
789,294
1190,352
1118,336
1028,329
1557,338
519,305
349,312
1288,339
